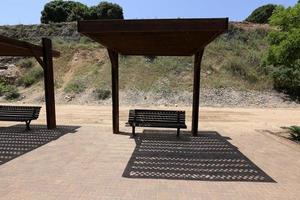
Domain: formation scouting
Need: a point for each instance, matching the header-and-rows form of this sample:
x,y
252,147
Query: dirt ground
x,y
93,163
255,118
267,120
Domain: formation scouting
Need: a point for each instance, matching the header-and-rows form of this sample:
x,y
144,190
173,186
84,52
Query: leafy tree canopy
x,y
284,51
106,10
262,14
67,11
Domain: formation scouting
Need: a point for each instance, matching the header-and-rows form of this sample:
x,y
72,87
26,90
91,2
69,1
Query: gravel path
x,y
212,97
209,97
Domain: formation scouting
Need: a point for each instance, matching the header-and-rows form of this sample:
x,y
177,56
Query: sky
x,y
29,11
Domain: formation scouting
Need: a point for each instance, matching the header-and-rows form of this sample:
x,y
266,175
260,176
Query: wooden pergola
x,y
44,55
155,37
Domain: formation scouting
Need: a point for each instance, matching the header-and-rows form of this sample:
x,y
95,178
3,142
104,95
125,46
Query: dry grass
x,y
233,60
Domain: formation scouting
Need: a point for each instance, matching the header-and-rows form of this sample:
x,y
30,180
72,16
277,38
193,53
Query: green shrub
x,y
25,63
76,86
241,69
252,76
262,14
294,132
102,94
32,76
283,57
2,86
236,67
11,92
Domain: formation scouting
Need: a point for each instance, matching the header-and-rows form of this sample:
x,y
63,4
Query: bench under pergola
x,y
44,55
154,37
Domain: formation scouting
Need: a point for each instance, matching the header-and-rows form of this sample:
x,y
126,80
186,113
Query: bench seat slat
x,y
16,116
162,125
162,121
165,114
158,114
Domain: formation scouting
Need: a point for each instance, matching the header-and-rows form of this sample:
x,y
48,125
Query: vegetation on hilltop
x,y
69,11
249,56
262,14
231,61
66,31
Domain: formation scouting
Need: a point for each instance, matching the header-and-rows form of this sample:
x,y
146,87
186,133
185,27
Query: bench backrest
x,y
19,112
156,116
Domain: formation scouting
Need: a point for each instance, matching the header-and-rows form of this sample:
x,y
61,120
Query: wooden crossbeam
x,y
13,47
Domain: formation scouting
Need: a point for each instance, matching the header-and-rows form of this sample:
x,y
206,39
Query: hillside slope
x,y
82,74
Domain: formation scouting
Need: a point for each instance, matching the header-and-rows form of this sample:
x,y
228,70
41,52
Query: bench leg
x,y
178,132
27,125
133,131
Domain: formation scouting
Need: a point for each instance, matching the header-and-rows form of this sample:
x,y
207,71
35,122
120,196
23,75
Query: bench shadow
x,y
159,154
15,141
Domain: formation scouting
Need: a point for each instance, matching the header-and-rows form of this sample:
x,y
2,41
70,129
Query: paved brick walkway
x,y
89,162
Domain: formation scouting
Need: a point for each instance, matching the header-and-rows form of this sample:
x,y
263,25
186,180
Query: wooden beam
x,y
37,58
196,91
153,25
49,83
40,61
115,88
166,37
13,47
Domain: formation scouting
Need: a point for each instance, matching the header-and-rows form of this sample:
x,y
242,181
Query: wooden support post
x,y
196,91
49,83
115,88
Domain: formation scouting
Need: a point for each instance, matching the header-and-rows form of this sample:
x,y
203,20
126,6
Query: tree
x,y
106,10
64,11
283,58
68,11
54,11
77,11
262,14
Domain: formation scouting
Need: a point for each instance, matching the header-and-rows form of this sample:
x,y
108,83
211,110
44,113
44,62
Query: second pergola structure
x,y
155,37
44,55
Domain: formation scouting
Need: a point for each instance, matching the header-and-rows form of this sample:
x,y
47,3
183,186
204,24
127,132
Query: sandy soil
x,y
256,119
89,162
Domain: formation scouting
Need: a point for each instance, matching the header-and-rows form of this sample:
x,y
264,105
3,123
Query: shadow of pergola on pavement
x,y
15,141
209,157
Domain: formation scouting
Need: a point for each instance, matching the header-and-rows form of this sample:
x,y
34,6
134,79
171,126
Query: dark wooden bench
x,y
19,113
156,118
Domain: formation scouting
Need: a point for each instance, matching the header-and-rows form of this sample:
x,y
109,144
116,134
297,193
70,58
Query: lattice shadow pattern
x,y
15,141
208,157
